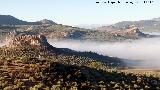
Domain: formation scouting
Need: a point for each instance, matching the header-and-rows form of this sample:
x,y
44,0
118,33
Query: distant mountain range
x,y
143,25
118,32
10,20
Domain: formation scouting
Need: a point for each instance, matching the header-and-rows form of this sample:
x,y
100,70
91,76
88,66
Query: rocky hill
x,y
39,44
45,21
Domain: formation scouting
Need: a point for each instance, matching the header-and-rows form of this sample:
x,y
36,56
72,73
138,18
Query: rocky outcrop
x,y
132,32
27,41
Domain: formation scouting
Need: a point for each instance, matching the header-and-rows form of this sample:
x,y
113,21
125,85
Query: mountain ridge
x,y
143,25
56,31
11,20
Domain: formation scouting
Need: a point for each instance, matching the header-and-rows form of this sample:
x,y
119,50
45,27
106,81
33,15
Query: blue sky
x,y
74,12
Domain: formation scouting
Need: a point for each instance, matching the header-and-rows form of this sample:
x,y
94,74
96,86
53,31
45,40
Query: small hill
x,y
46,22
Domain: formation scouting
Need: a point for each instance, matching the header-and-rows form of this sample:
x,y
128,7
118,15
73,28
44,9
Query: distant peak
x,y
46,21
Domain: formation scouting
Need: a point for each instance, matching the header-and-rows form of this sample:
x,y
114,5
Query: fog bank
x,y
144,53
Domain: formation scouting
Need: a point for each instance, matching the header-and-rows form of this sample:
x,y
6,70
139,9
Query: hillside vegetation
x,y
34,64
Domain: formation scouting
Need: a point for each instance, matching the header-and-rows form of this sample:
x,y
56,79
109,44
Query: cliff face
x,y
27,41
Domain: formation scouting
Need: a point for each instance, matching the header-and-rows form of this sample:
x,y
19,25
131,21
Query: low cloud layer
x,y
144,53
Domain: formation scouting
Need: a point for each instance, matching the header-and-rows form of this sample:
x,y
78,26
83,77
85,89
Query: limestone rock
x,y
27,40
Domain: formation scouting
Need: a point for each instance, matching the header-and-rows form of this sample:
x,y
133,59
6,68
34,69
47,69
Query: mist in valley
x,y
143,53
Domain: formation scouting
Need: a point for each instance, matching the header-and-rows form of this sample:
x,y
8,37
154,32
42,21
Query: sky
x,y
75,12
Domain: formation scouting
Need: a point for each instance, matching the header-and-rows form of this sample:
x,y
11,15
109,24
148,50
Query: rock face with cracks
x,y
27,40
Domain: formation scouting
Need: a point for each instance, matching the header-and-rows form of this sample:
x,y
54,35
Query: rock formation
x,y
132,32
27,41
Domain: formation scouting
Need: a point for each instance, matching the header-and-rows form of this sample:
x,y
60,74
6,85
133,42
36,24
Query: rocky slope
x,y
27,63
39,45
61,32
